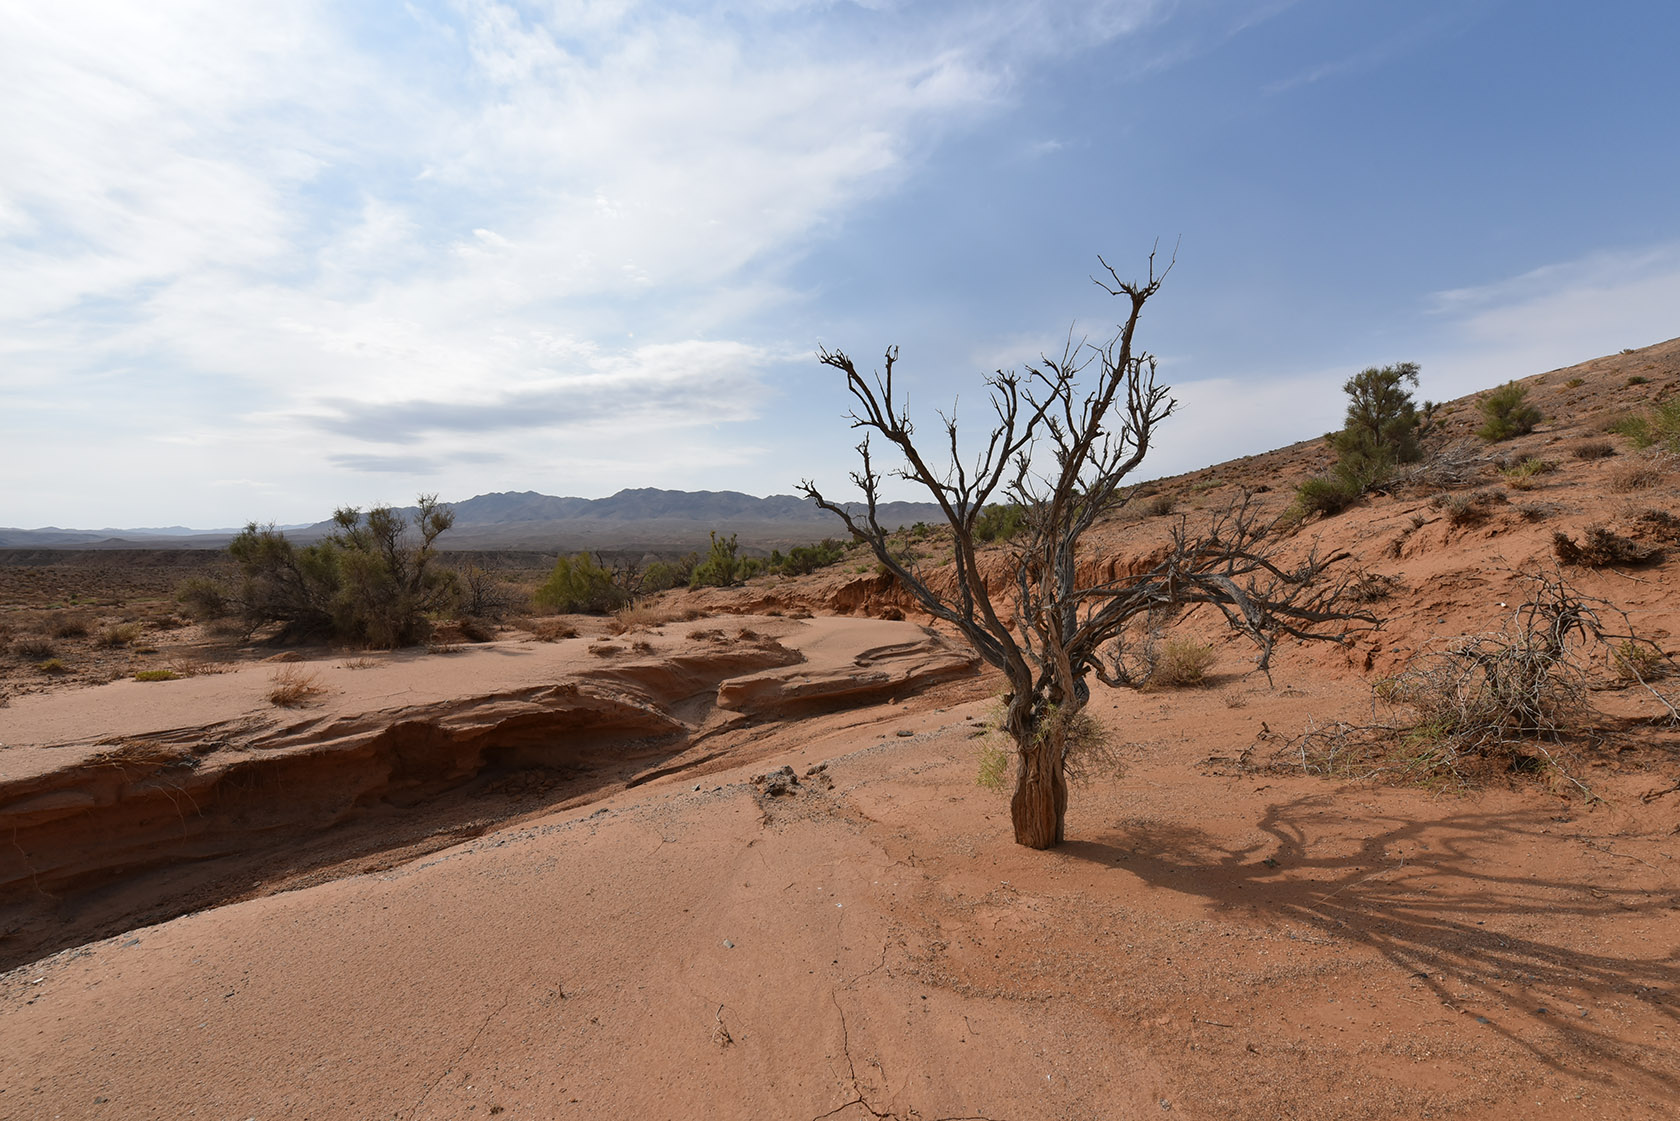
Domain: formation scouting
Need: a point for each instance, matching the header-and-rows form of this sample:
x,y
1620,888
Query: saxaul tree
x,y
1064,436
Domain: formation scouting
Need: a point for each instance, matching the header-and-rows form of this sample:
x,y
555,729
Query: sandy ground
x,y
1213,943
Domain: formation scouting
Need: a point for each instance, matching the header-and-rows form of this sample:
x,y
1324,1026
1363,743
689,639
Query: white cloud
x,y
222,225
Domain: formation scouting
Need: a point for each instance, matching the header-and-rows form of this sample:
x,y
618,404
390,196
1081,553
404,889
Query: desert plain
x,y
727,855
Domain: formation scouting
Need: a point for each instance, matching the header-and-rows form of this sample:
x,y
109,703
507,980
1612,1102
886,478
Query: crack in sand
x,y
465,1051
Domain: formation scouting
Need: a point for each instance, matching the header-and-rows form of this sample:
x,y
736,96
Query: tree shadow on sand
x,y
1420,894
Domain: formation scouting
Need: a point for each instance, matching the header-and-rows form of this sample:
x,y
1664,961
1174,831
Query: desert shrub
x,y
1326,494
1658,427
722,566
994,767
1521,475
1641,475
1381,431
205,599
1593,449
661,575
34,647
475,629
293,686
367,583
120,635
1575,383
1507,413
1638,379
580,585
803,559
1467,509
1639,661
1000,521
1599,548
484,594
68,625
157,675
1160,505
546,630
1381,427
1180,663
53,666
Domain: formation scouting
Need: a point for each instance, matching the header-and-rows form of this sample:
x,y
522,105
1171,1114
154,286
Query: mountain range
x,y
644,517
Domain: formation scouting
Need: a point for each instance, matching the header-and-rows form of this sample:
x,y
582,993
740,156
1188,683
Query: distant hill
x,y
641,518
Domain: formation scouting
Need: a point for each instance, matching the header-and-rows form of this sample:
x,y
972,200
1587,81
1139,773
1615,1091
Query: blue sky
x,y
261,260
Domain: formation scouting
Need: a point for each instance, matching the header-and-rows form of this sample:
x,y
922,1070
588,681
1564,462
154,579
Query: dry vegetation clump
x,y
1160,505
1599,548
293,686
1640,474
1593,449
545,630
53,667
1664,525
34,647
156,675
1521,475
644,616
1639,661
1468,509
1494,701
1454,465
1181,663
62,624
1372,587
123,634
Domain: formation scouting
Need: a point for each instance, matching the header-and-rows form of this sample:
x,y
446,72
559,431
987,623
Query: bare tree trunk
x,y
1038,808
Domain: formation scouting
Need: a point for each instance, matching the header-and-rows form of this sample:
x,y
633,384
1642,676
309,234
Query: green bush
x,y
722,567
1326,494
367,583
1660,426
1000,521
1507,413
1381,427
660,575
580,585
803,559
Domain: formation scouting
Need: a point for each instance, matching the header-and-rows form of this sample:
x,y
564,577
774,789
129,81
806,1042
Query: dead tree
x,y
1062,453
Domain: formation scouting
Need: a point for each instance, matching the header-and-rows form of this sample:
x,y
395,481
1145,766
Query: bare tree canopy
x,y
1066,434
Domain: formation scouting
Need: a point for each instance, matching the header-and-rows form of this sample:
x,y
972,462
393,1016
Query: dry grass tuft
x,y
1643,474
34,647
123,634
545,630
644,616
61,624
1181,663
292,687
1593,449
